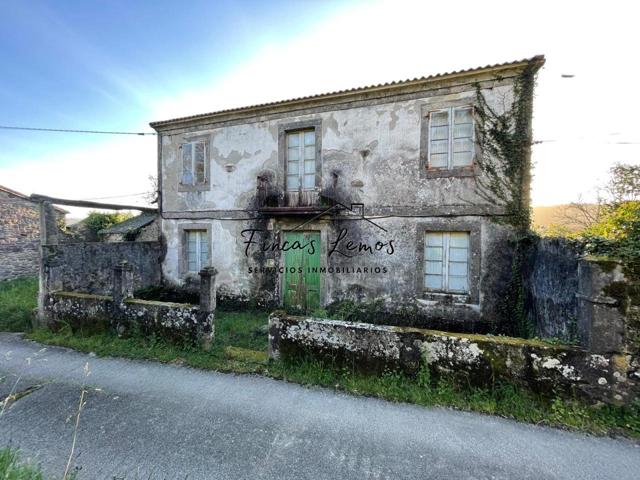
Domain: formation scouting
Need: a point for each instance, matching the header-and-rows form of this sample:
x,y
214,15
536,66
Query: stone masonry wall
x,y
19,236
539,366
552,283
88,267
179,322
581,299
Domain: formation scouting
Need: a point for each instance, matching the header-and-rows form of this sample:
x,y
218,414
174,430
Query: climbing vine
x,y
504,138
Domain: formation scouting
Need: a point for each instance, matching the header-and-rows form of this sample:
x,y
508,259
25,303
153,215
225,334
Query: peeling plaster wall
x,y
370,154
376,145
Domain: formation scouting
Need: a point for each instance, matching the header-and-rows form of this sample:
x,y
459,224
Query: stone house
x,y
368,194
20,234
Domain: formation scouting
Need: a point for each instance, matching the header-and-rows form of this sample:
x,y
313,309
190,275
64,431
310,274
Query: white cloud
x,y
386,41
111,168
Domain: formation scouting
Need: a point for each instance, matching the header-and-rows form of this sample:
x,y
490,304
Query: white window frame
x,y
199,246
194,180
451,112
446,236
301,160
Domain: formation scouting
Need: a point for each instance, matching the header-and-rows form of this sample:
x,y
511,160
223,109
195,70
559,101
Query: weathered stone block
x,y
482,359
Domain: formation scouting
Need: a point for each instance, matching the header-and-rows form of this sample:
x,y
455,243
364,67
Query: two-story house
x,y
362,194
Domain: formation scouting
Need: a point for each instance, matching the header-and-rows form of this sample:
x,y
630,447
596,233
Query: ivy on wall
x,y
504,138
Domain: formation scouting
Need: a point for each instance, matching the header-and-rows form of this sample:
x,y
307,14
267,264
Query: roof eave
x,y
340,96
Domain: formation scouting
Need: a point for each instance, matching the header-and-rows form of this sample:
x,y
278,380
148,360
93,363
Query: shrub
x,y
616,235
97,221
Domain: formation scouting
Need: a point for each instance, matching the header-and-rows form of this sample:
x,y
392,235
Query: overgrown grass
x,y
505,400
240,347
18,298
11,468
240,344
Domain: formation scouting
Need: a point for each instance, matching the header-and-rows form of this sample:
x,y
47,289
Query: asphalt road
x,y
145,418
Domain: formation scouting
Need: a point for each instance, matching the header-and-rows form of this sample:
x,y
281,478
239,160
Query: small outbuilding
x,y
141,228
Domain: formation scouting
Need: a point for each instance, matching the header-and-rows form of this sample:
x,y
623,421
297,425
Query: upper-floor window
x,y
301,160
197,250
194,163
446,262
451,138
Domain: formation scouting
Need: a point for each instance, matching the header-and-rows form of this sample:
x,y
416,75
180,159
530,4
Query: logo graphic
x,y
356,208
341,245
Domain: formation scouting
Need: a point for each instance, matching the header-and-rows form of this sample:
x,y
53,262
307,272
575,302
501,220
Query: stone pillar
x,y
208,289
48,224
601,305
207,308
48,236
122,287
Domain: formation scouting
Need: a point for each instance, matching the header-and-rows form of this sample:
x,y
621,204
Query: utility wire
x,y
64,130
106,132
117,196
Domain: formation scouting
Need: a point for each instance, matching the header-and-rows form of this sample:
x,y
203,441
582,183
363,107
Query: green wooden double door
x,y
302,271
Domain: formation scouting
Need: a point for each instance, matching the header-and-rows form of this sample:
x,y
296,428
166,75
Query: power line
x,y
65,130
107,132
117,196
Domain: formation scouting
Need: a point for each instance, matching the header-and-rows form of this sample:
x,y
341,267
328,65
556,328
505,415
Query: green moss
x,y
618,291
246,355
86,296
606,264
157,303
485,339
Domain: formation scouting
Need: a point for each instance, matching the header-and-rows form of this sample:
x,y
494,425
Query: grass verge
x,y
504,400
241,343
18,298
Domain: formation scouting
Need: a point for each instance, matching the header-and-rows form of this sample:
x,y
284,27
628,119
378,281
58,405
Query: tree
x,y
151,196
97,221
624,183
622,186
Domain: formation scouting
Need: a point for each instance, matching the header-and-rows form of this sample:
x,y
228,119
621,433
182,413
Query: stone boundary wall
x,y
483,359
551,274
19,260
88,267
589,300
174,321
180,322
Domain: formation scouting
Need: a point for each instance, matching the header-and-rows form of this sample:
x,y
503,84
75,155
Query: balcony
x,y
271,199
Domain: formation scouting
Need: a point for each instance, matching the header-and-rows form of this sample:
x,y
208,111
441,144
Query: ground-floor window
x,y
446,262
197,250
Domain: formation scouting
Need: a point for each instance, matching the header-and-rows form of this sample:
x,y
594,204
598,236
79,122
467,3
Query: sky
x,y
119,65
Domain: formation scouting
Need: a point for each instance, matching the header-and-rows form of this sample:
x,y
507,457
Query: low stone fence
x,y
120,311
483,359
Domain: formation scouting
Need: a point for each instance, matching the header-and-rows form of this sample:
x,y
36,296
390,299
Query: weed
x,y
18,298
